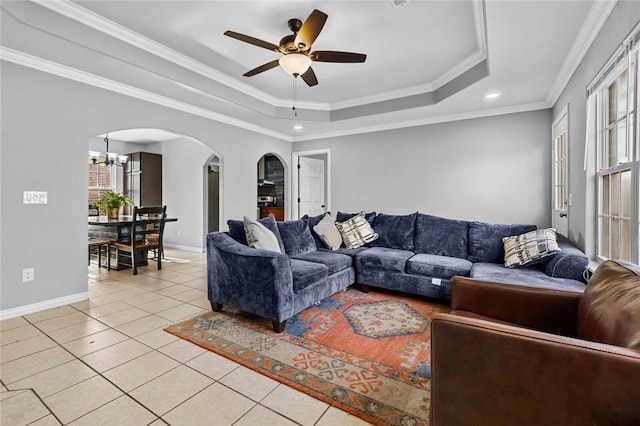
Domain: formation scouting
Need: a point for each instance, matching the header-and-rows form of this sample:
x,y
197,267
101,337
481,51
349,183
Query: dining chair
x,y
101,246
147,229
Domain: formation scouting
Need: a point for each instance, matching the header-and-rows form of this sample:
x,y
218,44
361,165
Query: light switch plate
x,y
34,197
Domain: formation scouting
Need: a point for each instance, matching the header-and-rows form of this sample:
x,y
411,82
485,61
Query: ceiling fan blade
x,y
309,77
252,40
310,30
333,56
262,68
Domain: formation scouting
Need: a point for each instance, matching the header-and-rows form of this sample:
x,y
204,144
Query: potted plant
x,y
111,202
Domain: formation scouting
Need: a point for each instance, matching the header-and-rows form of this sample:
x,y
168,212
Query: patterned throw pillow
x,y
328,232
258,236
356,231
529,248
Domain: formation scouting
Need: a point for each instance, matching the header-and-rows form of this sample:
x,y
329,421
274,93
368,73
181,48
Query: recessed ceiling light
x,y
298,127
492,95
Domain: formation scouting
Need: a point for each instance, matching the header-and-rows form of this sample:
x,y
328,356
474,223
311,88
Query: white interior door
x,y
310,186
560,198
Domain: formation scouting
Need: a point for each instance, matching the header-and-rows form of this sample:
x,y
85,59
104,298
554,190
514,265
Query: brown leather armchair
x,y
513,355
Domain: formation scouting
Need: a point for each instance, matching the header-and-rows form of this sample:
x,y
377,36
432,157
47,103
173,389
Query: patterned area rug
x,y
366,353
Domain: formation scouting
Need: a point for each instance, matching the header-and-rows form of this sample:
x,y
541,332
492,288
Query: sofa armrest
x,y
253,280
553,311
495,374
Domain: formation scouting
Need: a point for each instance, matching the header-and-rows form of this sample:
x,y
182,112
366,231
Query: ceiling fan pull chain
x,y
295,95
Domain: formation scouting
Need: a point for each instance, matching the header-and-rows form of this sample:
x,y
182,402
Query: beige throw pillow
x,y
356,231
328,232
259,236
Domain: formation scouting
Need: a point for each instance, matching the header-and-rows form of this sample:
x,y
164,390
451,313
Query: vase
x,y
113,213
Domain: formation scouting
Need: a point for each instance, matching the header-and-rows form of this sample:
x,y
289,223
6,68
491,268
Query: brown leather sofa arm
x,y
487,373
552,311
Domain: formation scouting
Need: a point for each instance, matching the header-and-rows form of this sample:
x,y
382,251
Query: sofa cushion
x,y
352,252
259,236
569,262
335,262
328,232
236,230
306,274
485,240
609,310
394,231
356,231
530,248
433,265
441,236
296,236
387,259
526,276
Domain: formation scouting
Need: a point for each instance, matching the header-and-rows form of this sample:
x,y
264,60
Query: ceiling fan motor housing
x,y
287,43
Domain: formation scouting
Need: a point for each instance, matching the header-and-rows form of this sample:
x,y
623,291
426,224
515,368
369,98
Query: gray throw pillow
x,y
328,232
258,236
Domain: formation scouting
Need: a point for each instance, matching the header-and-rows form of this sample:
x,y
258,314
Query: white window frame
x,y
614,69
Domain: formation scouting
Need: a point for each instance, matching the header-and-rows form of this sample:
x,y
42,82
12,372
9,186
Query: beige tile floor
x,y
107,361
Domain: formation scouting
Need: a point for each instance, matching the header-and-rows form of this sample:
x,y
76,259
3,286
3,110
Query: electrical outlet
x,y
28,274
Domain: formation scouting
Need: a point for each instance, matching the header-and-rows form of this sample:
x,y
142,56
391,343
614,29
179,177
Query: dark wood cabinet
x,y
143,179
278,212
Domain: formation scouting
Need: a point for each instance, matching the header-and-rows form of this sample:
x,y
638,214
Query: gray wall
x,y
581,214
183,186
46,126
494,169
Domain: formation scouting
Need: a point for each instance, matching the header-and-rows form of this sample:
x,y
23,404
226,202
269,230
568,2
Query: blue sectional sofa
x,y
415,253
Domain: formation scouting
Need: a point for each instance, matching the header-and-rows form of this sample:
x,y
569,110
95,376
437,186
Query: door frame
x,y
205,196
560,125
293,211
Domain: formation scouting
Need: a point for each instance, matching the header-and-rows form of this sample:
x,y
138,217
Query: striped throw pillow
x,y
356,231
529,248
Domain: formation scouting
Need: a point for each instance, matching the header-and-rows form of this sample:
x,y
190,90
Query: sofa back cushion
x,y
313,221
441,236
343,217
569,262
485,240
394,231
236,230
296,237
609,310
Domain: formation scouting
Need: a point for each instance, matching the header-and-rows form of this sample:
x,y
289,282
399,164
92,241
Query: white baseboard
x,y
41,306
185,248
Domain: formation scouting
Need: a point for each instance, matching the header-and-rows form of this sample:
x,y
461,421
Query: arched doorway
x,y
271,187
212,192
185,189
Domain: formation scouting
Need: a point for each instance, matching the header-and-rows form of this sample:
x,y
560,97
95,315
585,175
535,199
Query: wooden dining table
x,y
117,230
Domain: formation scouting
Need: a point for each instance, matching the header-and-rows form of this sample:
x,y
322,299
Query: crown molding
x,y
426,121
43,65
113,29
26,60
596,18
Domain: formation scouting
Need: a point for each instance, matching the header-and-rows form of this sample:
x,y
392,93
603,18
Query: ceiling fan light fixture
x,y
295,64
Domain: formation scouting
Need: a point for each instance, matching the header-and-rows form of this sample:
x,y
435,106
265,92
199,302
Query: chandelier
x,y
110,158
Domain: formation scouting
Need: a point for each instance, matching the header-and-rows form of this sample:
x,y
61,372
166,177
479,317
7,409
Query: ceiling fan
x,y
296,48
